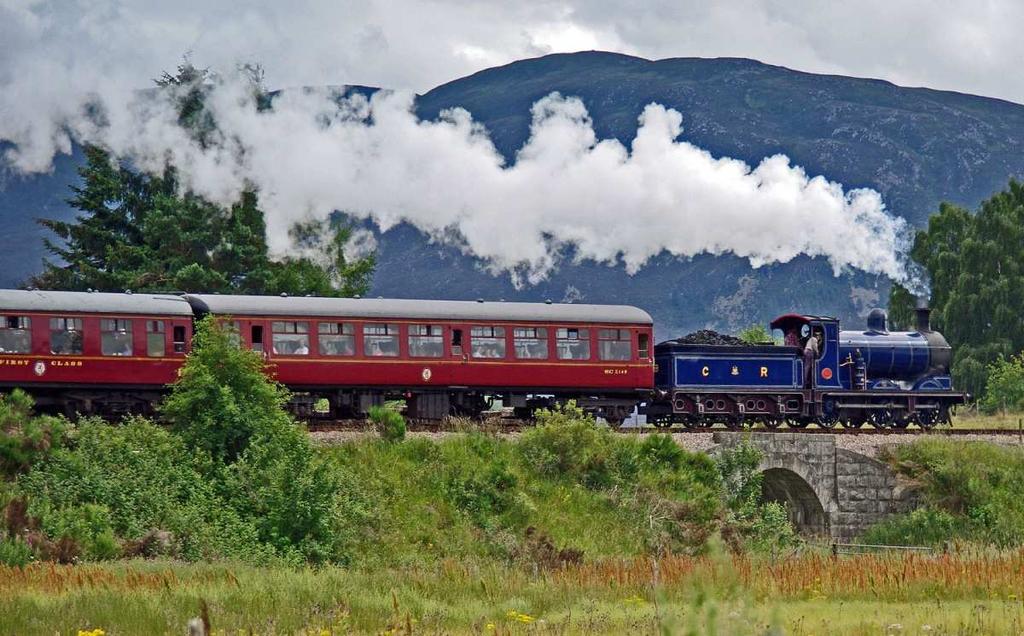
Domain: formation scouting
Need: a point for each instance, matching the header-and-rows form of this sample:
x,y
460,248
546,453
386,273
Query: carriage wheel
x,y
795,423
772,422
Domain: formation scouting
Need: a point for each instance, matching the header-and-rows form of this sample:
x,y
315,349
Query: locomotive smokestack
x,y
923,314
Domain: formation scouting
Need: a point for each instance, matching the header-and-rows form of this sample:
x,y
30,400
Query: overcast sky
x,y
973,47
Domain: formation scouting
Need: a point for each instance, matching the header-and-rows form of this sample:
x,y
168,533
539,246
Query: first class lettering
x,y
13,362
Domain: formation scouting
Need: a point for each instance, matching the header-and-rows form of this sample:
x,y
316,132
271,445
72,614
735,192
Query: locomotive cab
x,y
796,329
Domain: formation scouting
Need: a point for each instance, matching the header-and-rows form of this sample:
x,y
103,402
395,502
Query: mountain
x,y
916,146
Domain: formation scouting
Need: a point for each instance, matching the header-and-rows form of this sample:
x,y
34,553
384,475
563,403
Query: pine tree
x,y
141,232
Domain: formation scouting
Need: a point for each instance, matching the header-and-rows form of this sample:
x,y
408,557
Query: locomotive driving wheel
x,y
882,418
927,418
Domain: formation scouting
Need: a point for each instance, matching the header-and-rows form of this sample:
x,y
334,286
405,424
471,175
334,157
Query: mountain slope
x,y
916,146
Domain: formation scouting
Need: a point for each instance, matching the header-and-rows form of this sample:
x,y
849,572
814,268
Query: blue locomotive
x,y
848,378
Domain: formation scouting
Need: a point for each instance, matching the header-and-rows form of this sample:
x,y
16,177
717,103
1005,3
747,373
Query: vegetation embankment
x,y
971,492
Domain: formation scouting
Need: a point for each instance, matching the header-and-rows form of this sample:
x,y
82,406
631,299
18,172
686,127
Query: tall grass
x,y
731,595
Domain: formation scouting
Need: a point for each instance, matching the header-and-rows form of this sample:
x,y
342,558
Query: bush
x,y
24,438
751,524
389,423
567,443
222,397
15,552
924,526
1004,390
124,481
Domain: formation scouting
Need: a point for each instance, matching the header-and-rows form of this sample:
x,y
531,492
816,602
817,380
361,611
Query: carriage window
x,y
380,340
488,342
573,344
178,337
116,337
15,334
66,336
643,349
614,344
156,341
456,342
426,341
337,339
291,338
531,343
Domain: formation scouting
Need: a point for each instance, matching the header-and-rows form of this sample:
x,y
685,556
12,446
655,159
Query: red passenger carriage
x,y
92,352
447,356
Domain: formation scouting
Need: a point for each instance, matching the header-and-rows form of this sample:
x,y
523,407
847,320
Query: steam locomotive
x,y
887,379
102,353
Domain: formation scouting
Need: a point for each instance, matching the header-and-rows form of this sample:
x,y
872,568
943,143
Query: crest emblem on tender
x,y
39,368
427,374
735,370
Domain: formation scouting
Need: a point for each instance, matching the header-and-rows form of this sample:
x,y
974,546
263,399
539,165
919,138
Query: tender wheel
x,y
927,419
663,422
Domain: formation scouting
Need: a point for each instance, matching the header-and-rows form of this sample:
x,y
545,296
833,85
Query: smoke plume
x,y
312,154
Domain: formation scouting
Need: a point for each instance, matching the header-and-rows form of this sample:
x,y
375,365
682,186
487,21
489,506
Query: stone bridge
x,y
828,491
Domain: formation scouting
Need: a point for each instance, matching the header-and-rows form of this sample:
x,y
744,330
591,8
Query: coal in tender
x,y
709,337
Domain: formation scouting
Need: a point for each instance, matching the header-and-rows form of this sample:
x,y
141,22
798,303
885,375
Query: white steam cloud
x,y
310,156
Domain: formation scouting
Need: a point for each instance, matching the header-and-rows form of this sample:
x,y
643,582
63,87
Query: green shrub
x,y
568,443
223,398
389,423
15,552
1004,390
923,526
25,439
124,481
750,523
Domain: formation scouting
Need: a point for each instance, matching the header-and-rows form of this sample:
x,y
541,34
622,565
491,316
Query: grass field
x,y
810,594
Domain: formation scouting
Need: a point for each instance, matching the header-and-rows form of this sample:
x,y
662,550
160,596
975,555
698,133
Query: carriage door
x,y
457,344
257,339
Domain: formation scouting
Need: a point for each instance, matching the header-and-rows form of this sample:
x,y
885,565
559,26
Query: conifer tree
x,y
144,232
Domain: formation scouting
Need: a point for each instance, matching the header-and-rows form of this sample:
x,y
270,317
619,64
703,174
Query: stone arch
x,y
806,512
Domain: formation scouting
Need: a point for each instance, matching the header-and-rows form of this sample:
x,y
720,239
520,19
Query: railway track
x,y
508,425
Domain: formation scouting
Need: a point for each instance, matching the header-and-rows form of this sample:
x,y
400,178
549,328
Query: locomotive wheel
x,y
881,418
828,421
902,423
853,423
